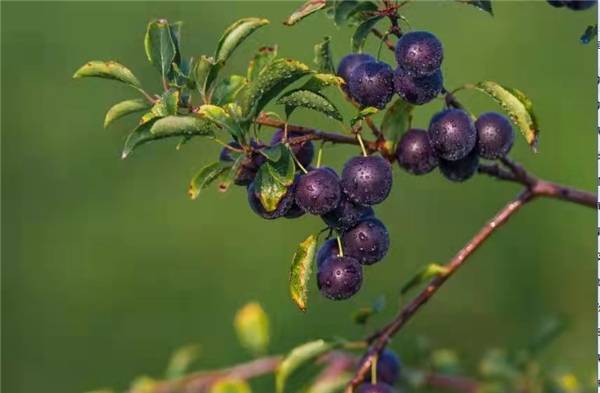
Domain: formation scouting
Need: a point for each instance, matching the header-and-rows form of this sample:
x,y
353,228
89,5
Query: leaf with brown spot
x,y
107,70
301,270
306,9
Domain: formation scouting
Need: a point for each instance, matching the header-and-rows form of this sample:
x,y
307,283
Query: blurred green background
x,y
107,266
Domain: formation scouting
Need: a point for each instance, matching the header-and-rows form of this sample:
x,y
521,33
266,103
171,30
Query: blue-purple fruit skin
x,y
249,166
367,180
417,90
452,134
304,152
414,152
346,214
419,52
579,5
282,208
375,388
339,277
328,248
371,84
318,191
460,170
495,135
388,368
350,62
368,241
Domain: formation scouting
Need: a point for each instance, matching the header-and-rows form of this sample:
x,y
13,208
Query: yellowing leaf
x,y
107,70
300,271
252,327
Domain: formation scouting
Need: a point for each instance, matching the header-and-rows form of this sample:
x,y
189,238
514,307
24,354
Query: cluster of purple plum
x,y
342,201
417,79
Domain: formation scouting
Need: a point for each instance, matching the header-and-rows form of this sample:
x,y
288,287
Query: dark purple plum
x,y
304,152
368,241
414,152
318,191
460,170
294,211
417,90
346,214
249,166
282,208
339,277
375,388
388,368
579,5
350,62
452,134
371,84
367,180
495,135
327,249
419,52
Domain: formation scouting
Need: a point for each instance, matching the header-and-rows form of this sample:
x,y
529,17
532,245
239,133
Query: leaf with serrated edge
x,y
271,81
268,189
309,100
107,70
323,56
125,108
262,58
426,273
483,5
518,107
252,327
297,358
300,271
159,45
284,168
362,31
306,9
222,119
205,177
235,34
396,120
227,89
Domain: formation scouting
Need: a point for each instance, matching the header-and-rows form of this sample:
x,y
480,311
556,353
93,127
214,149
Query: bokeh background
x,y
107,266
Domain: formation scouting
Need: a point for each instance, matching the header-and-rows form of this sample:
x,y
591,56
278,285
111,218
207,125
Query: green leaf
x,y
206,176
230,386
301,270
175,30
125,108
283,169
518,107
323,56
227,89
483,5
310,100
362,31
203,73
298,358
424,274
107,70
318,82
228,177
181,360
235,34
167,105
268,189
222,119
159,45
306,9
396,120
262,58
362,114
271,81
166,127
273,153
445,361
252,327
345,9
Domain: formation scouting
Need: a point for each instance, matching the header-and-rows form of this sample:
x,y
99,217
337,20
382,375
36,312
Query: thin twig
x,y
388,43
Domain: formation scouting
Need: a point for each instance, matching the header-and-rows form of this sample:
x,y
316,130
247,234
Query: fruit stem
x,y
374,369
340,248
302,168
362,145
320,154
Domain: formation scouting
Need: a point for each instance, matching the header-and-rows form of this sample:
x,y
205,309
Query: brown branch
x,y
533,188
451,382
